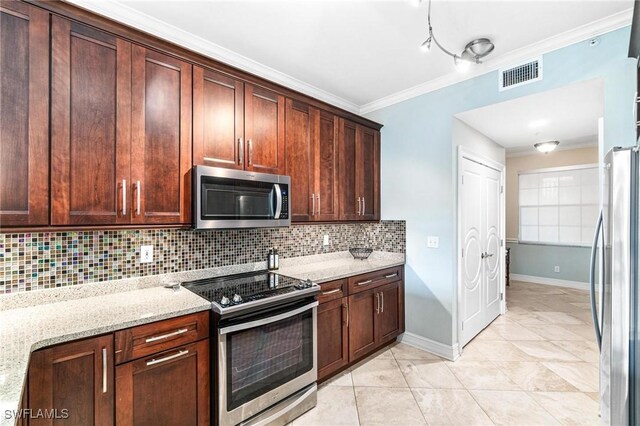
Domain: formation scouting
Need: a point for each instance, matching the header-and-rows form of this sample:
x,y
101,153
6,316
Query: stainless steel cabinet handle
x,y
166,336
318,203
313,205
324,293
395,274
359,208
365,282
250,151
104,370
592,281
382,302
138,198
240,152
346,305
364,206
378,303
124,197
167,358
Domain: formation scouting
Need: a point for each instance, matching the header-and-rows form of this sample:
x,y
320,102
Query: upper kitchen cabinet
x,y
161,138
368,170
90,125
299,161
359,172
24,102
326,171
218,119
264,130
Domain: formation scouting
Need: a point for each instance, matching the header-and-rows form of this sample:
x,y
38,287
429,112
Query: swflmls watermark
x,y
30,413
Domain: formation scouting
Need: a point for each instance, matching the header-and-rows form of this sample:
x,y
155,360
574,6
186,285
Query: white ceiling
x,y
355,51
569,114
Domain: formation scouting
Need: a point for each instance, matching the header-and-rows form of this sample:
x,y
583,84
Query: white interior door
x,y
481,252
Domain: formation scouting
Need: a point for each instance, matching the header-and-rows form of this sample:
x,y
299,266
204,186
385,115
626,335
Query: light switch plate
x,y
556,269
146,254
325,240
433,242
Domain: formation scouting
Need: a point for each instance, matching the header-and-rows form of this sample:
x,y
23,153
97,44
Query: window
x,y
559,206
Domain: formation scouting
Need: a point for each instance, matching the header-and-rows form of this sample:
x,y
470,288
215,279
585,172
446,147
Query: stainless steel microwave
x,y
224,198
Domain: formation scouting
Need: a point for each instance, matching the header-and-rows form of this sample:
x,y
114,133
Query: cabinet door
x,y
350,204
169,388
24,117
77,377
362,334
299,159
333,335
390,319
161,135
326,167
368,169
90,125
264,130
217,120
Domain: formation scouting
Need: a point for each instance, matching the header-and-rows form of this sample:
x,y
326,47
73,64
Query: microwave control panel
x,y
284,212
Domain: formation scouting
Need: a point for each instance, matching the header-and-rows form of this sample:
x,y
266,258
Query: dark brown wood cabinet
x,y
76,376
161,138
333,336
362,323
264,130
390,320
218,119
299,160
170,387
24,102
359,172
326,171
90,125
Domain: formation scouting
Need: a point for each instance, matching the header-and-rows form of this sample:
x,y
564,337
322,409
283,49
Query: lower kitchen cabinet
x,y
333,336
169,388
390,319
362,323
74,379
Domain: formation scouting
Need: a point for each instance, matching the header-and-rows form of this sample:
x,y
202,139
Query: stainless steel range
x,y
265,361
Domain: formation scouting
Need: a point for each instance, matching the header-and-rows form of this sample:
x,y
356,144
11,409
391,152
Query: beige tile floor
x,y
536,365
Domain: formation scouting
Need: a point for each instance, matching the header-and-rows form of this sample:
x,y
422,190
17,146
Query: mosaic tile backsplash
x,y
31,261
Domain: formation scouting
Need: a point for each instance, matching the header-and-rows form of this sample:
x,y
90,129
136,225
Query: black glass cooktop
x,y
234,290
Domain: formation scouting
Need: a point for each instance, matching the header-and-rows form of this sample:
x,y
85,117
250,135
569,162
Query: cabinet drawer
x,y
148,339
374,279
332,290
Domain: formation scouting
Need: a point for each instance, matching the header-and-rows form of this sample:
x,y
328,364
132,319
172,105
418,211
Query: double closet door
x,y
480,269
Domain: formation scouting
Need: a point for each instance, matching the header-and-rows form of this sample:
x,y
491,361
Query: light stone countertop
x,y
37,319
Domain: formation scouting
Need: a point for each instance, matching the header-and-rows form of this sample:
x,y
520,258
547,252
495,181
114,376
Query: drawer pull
x,y
166,336
324,293
365,282
167,358
395,274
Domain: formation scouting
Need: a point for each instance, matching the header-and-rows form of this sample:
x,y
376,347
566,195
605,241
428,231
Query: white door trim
x,y
466,153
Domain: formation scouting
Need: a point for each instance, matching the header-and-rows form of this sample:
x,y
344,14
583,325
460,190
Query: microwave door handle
x,y
278,192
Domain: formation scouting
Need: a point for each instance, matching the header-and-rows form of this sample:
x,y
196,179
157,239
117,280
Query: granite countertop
x,y
328,267
36,319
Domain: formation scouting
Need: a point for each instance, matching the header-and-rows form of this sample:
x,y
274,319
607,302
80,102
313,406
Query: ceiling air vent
x,y
523,73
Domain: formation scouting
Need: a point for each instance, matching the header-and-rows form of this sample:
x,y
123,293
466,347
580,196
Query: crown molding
x,y
581,33
124,14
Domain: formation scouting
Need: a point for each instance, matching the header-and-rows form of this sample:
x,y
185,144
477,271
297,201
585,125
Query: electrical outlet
x,y
146,254
325,240
556,268
433,242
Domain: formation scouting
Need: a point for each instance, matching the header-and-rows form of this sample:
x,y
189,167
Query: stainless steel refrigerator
x,y
615,308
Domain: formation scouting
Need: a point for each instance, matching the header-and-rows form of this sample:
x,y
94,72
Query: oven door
x,y
239,199
264,359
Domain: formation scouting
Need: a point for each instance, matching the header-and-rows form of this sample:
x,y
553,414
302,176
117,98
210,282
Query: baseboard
x,y
549,281
431,346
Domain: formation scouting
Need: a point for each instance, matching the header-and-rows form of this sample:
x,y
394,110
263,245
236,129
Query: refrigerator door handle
x,y
592,282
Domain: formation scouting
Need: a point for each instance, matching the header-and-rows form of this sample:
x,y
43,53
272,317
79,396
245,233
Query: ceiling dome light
x,y
479,48
546,147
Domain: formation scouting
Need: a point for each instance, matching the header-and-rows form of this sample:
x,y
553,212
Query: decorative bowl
x,y
360,252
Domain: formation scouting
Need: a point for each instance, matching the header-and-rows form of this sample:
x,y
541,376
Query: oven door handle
x,y
278,192
265,321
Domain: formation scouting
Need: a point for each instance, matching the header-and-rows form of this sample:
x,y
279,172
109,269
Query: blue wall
x,y
539,260
418,172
